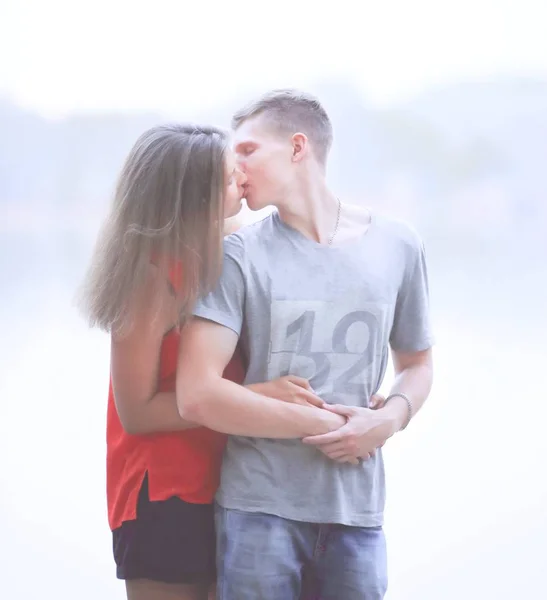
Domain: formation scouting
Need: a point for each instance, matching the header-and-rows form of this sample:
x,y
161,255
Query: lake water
x,y
467,501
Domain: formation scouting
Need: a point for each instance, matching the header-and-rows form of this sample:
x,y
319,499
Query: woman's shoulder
x,y
166,271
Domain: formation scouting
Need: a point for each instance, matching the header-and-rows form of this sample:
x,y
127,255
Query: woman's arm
x,y
135,360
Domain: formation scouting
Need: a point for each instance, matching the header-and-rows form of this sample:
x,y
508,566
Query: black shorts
x,y
171,541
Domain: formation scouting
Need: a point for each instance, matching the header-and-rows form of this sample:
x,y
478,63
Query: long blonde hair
x,y
167,209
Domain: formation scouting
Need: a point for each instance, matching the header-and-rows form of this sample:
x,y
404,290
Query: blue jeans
x,y
264,557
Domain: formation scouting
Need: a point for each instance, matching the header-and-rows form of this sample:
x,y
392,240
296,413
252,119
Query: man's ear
x,y
300,145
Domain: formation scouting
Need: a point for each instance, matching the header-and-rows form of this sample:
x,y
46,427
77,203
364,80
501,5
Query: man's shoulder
x,y
241,241
395,230
399,231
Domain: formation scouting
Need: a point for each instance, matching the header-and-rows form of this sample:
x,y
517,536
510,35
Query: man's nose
x,y
241,177
240,161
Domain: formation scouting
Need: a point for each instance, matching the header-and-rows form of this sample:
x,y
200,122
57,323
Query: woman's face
x,y
235,180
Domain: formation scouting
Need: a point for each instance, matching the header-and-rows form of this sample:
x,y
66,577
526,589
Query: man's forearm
x,y
227,407
159,415
415,382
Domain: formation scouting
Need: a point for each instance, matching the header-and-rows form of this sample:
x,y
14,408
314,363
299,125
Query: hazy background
x,y
440,116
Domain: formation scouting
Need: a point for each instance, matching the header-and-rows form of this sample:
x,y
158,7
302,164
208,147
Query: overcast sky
x,y
178,56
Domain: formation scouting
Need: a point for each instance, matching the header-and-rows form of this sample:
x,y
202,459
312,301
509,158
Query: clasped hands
x,y
365,429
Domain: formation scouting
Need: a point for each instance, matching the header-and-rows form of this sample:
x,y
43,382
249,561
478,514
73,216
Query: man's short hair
x,y
292,111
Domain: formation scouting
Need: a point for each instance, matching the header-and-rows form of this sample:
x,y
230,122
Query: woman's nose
x,y
241,178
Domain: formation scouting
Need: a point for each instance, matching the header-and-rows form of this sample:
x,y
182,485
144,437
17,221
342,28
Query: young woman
x,y
160,249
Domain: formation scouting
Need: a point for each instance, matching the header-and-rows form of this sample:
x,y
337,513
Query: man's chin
x,y
254,204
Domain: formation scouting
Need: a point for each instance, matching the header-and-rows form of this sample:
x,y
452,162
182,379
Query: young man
x,y
321,290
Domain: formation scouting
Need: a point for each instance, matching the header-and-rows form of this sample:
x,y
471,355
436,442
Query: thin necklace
x,y
337,223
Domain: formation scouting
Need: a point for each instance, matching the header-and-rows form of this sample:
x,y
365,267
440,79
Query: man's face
x,y
264,155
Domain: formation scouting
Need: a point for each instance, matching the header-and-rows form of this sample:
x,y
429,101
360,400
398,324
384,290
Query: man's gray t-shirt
x,y
329,314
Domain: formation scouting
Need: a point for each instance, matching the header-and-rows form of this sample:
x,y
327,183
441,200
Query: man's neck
x,y
312,209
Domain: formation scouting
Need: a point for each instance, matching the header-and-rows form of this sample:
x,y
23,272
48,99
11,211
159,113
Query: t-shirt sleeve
x,y
225,304
411,330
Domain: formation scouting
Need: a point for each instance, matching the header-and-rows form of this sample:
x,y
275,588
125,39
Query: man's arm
x,y
204,397
368,429
411,341
413,378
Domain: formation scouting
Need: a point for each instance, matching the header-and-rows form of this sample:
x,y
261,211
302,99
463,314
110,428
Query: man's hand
x,y
366,430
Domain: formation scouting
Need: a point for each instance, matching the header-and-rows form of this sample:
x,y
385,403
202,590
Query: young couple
x,y
246,371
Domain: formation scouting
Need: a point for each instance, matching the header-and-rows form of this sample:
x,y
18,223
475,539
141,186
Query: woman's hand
x,y
290,388
366,430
